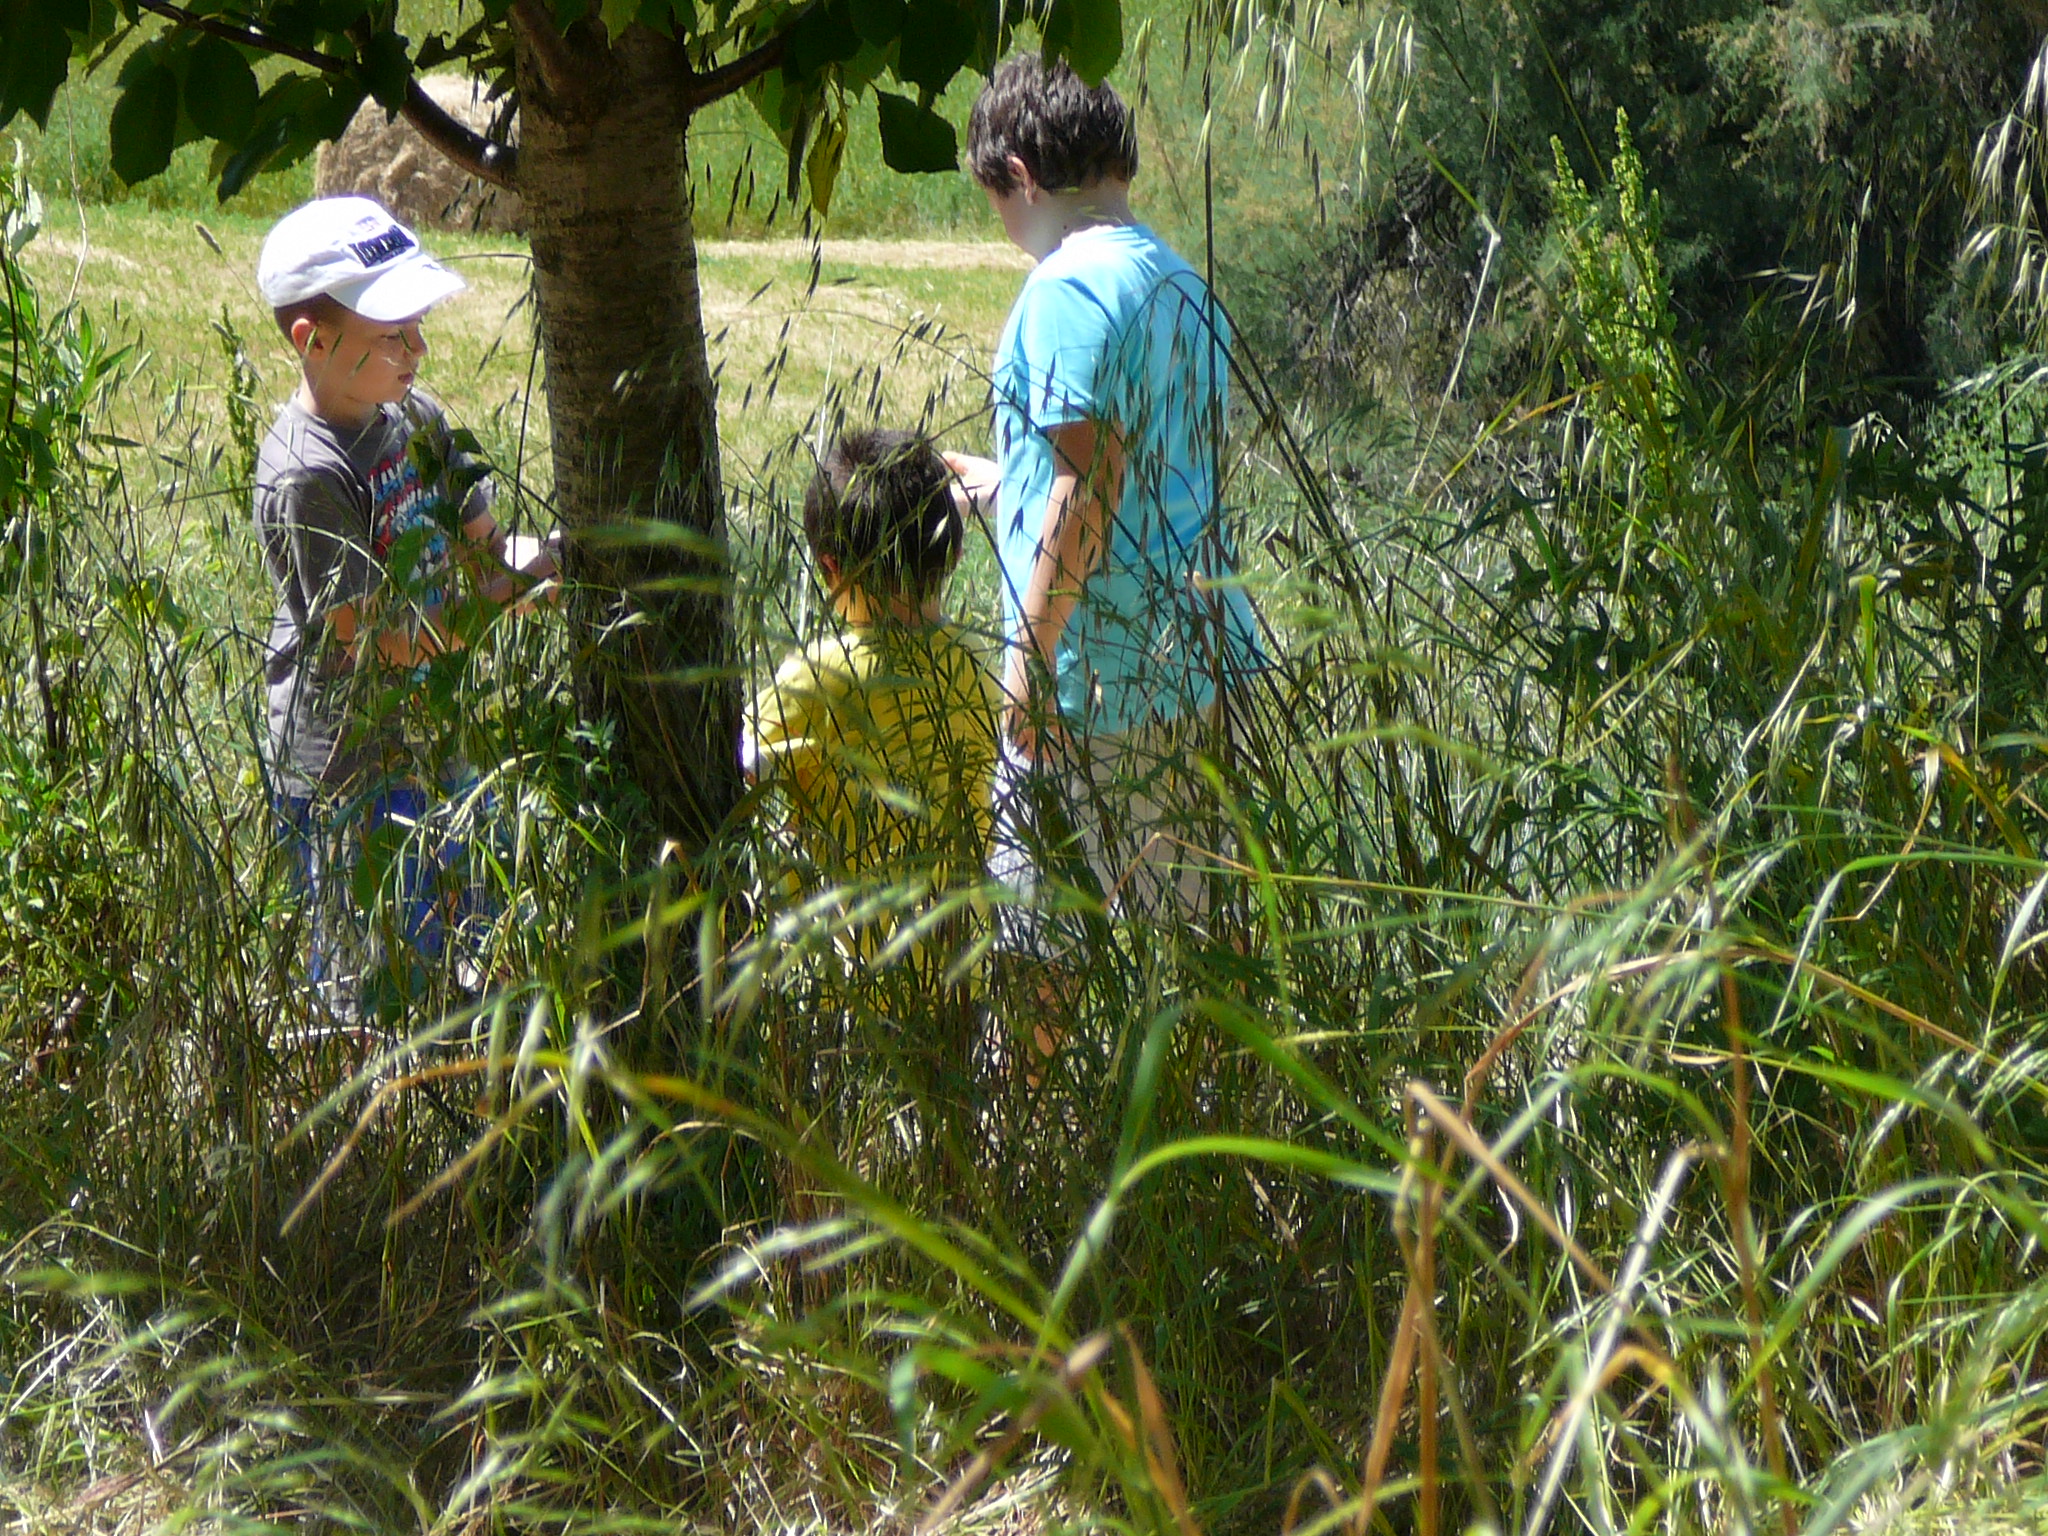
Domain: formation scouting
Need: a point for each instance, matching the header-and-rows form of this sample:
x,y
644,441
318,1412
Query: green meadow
x,y
839,309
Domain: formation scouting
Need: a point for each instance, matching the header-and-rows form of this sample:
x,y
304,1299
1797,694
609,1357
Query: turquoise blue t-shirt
x,y
1114,327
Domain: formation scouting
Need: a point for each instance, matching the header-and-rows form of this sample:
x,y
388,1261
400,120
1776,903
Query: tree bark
x,y
603,175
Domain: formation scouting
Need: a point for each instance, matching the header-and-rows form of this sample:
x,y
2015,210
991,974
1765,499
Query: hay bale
x,y
386,158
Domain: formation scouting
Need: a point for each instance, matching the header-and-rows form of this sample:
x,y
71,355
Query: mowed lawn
x,y
893,331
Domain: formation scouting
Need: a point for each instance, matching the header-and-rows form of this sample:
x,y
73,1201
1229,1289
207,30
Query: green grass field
x,y
919,317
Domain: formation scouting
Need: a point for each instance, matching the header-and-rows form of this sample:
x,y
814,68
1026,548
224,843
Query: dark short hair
x,y
1069,135
321,309
881,507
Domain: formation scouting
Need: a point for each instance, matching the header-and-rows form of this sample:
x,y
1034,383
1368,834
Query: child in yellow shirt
x,y
882,737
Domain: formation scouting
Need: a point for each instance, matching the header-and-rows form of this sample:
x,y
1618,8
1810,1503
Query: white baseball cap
x,y
352,250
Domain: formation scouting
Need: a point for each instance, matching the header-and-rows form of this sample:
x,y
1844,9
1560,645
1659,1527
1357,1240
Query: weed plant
x,y
1613,1101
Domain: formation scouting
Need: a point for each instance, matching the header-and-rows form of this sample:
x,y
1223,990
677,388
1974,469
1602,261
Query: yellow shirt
x,y
883,738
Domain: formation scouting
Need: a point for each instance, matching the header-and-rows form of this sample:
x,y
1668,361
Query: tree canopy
x,y
805,65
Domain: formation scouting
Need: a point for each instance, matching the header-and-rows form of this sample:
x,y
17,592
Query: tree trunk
x,y
635,432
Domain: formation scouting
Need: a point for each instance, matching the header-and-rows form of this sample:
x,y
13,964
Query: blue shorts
x,y
386,878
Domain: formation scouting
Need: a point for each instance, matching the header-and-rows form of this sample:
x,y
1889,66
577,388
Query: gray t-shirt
x,y
338,513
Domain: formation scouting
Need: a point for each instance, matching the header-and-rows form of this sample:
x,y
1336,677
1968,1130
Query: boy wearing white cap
x,y
364,502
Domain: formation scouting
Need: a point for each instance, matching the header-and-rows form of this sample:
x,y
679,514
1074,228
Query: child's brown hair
x,y
881,508
1068,134
320,309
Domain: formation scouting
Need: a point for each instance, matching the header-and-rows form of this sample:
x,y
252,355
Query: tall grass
x,y
1613,1102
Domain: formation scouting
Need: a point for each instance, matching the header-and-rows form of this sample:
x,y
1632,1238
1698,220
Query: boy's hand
x,y
521,570
538,558
974,483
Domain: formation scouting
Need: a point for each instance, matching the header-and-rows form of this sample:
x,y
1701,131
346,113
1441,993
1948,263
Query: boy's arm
x,y
779,732
400,640
974,483
398,645
316,537
481,552
1086,489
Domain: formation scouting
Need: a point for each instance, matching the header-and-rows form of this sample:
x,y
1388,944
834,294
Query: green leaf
x,y
879,21
383,845
1088,34
938,35
401,560
444,679
437,48
384,68
303,23
668,16
825,35
220,90
145,124
776,101
822,168
617,15
915,139
241,164
799,135
859,73
296,113
35,54
331,104
18,226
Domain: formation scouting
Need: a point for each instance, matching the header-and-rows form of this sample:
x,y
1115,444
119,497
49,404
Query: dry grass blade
x,y
385,1094
1078,1365
1162,1460
1606,1358
461,1168
1460,1132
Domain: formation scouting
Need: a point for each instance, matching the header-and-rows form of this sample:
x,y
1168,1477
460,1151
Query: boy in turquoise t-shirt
x,y
1125,636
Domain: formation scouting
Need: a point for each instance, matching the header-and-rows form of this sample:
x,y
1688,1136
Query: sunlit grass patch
x,y
901,332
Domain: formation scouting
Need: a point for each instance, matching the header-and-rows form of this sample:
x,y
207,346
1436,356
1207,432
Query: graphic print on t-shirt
x,y
399,503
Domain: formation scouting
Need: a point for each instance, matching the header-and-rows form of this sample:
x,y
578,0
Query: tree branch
x,y
550,50
456,140
483,158
700,89
248,37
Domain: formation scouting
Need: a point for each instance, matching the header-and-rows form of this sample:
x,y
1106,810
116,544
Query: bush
x,y
1809,156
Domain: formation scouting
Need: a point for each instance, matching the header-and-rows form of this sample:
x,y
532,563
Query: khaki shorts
x,y
1112,825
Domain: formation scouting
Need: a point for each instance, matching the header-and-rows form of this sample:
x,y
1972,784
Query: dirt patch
x,y
47,244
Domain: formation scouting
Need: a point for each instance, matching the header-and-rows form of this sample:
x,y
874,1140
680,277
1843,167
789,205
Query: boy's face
x,y
360,364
